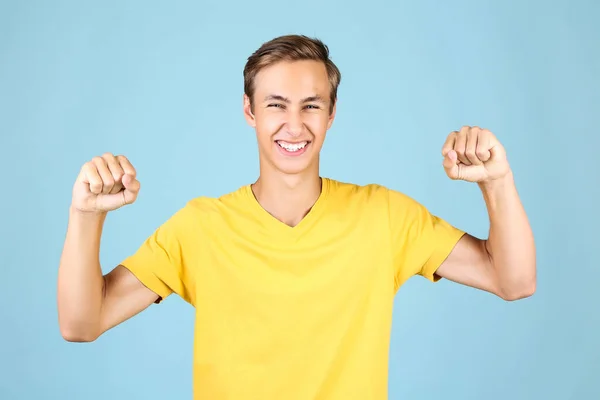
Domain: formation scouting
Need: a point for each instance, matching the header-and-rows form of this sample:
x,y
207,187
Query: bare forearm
x,y
510,244
80,279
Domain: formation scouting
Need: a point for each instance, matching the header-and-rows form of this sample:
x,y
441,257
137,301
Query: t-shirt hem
x,y
148,279
436,260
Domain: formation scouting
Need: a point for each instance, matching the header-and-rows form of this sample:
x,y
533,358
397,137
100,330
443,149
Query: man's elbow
x,y
77,334
518,292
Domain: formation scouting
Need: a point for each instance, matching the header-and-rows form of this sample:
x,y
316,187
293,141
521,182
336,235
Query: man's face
x,y
290,114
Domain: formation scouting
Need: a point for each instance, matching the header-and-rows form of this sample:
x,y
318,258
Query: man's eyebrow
x,y
315,98
276,97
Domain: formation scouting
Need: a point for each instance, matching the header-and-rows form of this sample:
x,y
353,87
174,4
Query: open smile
x,y
292,148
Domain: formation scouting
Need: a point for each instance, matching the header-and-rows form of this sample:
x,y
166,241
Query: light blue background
x,y
162,83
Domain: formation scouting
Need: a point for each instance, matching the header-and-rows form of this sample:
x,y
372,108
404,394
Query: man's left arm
x,y
505,263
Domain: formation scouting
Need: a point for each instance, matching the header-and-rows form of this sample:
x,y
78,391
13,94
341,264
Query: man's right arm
x,y
90,303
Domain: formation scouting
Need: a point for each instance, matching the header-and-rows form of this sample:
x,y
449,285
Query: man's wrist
x,y
84,215
498,184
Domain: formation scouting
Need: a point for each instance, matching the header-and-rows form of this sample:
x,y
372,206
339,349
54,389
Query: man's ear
x,y
332,115
248,114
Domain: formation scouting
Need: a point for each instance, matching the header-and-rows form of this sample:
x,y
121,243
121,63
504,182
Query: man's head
x,y
290,93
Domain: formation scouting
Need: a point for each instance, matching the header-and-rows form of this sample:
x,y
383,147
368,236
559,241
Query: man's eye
x,y
276,105
312,106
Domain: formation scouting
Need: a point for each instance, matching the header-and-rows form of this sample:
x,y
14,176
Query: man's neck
x,y
287,197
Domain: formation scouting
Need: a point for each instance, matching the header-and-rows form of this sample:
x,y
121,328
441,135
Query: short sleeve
x,y
161,262
420,240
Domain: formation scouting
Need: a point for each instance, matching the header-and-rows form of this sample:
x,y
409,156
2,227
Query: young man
x,y
292,277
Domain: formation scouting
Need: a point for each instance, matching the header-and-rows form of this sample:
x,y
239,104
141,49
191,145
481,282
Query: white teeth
x,y
292,146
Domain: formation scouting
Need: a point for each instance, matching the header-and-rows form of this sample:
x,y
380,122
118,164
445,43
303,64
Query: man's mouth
x,y
292,147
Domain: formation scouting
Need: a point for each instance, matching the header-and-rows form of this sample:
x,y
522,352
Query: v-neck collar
x,y
280,229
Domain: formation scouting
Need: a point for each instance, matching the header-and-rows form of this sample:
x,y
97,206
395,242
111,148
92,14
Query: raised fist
x,y
104,184
474,154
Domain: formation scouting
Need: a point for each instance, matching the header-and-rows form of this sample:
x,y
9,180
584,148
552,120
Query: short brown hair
x,y
291,48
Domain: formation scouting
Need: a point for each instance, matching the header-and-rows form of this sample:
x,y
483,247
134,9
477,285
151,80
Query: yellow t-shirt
x,y
298,312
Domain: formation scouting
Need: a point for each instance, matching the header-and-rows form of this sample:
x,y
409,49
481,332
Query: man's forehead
x,y
291,77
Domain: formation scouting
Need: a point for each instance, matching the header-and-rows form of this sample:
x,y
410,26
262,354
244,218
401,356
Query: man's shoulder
x,y
349,191
369,194
204,213
216,204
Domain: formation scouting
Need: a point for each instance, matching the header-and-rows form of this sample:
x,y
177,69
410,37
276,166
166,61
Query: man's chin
x,y
288,169
295,166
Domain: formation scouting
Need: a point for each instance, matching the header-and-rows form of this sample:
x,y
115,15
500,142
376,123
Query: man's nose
x,y
294,125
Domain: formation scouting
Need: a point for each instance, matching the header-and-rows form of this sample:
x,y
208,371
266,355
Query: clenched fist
x,y
105,184
475,155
